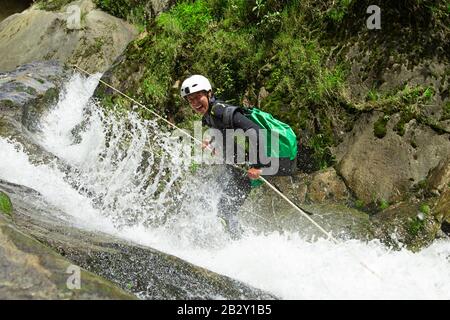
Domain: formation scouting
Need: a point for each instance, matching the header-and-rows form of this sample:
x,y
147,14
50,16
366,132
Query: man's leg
x,y
236,189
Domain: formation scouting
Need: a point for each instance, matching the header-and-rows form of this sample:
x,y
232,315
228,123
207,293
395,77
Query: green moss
x,y
421,185
359,204
137,12
5,204
7,103
186,17
50,96
411,102
52,5
379,127
425,209
446,111
372,95
415,226
383,204
337,12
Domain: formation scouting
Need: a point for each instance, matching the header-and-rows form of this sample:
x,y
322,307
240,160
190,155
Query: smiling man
x,y
237,184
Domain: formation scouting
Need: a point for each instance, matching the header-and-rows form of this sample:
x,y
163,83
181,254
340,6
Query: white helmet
x,y
193,84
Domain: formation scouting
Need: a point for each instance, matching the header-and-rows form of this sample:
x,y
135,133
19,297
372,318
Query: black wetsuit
x,y
236,184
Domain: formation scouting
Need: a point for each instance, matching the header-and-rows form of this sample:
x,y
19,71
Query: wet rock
x,y
266,211
147,272
443,207
26,94
28,83
439,177
326,185
30,270
42,35
385,169
406,224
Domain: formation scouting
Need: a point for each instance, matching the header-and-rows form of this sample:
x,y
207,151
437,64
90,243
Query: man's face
x,y
199,101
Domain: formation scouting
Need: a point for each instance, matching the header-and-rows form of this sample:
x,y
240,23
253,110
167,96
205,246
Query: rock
x,y
385,169
263,93
266,211
30,270
439,177
149,9
28,83
147,272
41,35
326,185
406,224
26,94
443,207
74,18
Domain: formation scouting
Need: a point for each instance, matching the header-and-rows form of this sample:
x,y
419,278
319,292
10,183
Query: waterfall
x,y
127,177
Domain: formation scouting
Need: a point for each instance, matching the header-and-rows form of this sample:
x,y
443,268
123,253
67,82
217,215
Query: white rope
x,y
327,234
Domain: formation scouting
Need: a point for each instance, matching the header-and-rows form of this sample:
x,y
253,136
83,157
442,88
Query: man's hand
x,y
206,144
254,173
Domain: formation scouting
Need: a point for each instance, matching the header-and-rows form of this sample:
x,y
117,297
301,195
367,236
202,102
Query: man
x,y
237,184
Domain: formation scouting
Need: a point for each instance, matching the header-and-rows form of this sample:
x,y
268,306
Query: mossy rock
x,y
5,204
413,225
52,5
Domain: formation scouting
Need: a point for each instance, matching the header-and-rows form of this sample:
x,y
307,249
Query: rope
x,y
297,208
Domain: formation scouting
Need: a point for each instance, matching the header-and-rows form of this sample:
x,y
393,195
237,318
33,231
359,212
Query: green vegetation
x,y
292,49
383,204
425,209
52,5
379,127
359,204
132,10
415,226
409,102
5,204
242,46
446,111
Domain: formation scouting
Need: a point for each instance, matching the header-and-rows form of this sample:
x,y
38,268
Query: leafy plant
x,y
359,204
383,204
5,204
425,209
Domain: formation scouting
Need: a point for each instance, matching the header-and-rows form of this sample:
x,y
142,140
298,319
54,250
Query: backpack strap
x,y
225,113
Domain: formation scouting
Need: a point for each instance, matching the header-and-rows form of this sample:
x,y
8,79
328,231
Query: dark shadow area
x,y
9,7
446,228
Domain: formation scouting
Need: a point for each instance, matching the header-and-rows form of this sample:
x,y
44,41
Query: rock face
x,y
439,177
30,270
316,195
406,223
147,272
443,207
326,185
125,8
387,168
78,34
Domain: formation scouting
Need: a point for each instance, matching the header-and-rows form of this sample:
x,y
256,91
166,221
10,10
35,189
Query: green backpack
x,y
287,138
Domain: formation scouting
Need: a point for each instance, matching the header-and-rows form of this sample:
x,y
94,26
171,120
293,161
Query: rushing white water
x,y
128,178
